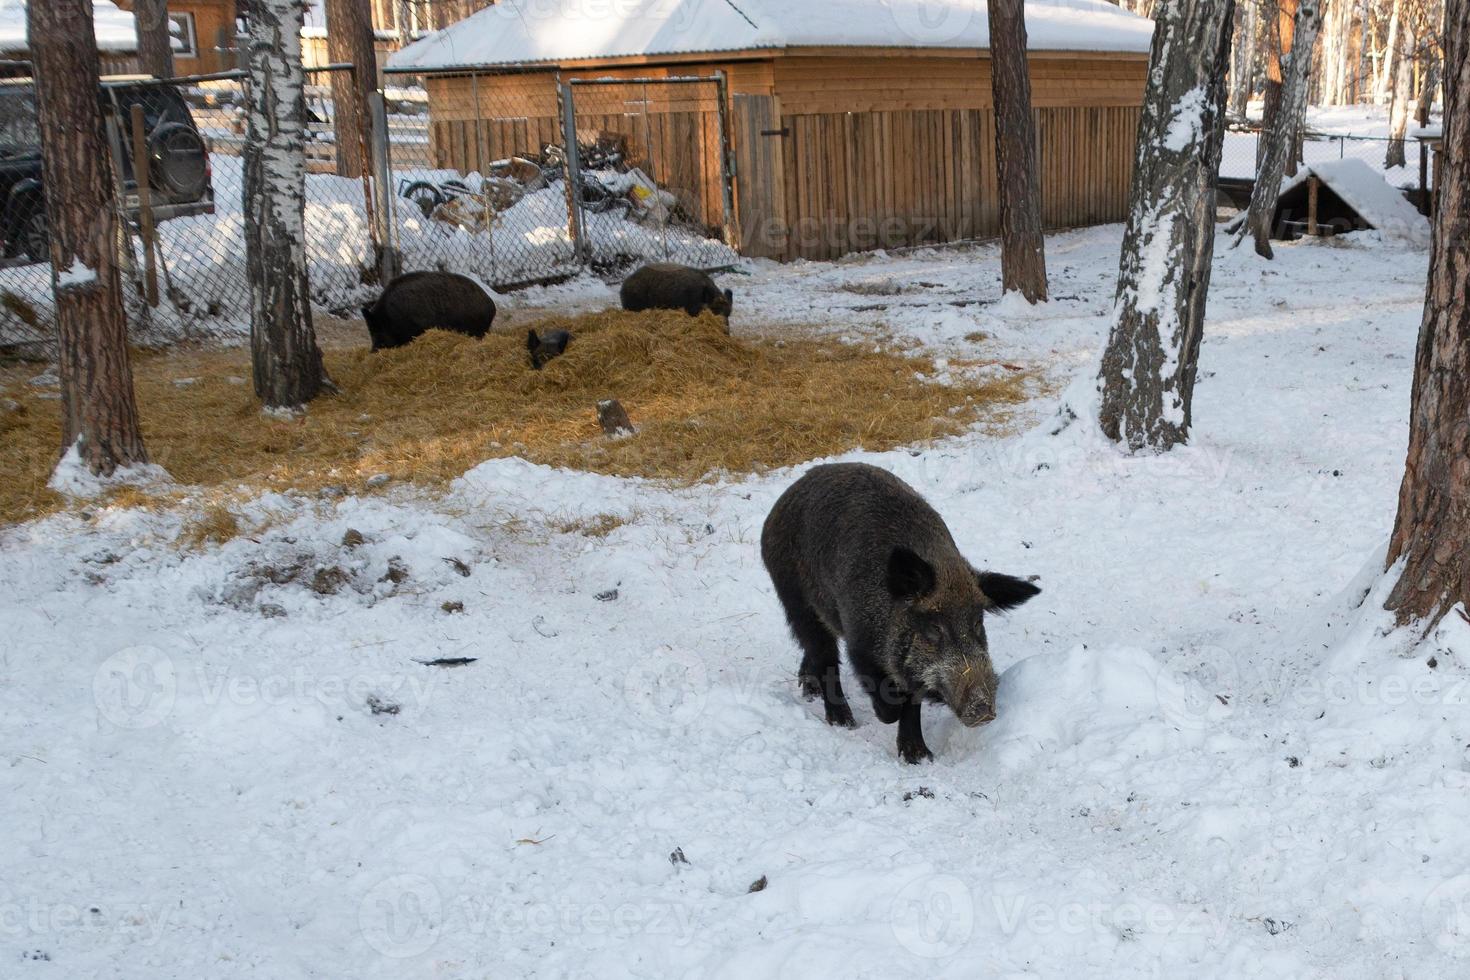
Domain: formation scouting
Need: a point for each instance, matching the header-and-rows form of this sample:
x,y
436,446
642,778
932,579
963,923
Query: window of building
x,y
181,30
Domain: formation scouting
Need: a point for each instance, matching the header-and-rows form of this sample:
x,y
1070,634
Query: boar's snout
x,y
972,695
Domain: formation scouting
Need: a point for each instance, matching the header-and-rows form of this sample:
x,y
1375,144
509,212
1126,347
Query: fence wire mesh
x,y
183,257
1239,156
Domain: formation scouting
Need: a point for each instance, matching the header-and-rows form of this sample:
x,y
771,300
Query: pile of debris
x,y
606,183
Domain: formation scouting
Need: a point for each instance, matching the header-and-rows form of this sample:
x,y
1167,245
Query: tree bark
x,y
1429,82
286,360
1148,367
1383,82
99,412
1431,533
155,46
350,40
1280,146
1277,45
1023,247
1402,96
1242,67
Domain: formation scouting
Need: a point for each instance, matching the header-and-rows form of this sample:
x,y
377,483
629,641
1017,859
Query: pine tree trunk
x,y
1431,533
155,47
1242,69
99,413
1429,82
1023,249
1282,30
1280,144
1403,96
350,40
287,362
1148,367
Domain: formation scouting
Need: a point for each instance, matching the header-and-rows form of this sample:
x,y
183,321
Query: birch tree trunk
x,y
98,412
1280,142
1431,533
155,46
1402,97
286,360
350,40
1148,368
1383,84
1023,248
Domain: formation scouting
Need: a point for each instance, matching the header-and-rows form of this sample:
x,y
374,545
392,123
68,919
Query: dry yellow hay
x,y
703,402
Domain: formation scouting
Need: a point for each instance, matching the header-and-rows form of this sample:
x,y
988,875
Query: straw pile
x,y
703,402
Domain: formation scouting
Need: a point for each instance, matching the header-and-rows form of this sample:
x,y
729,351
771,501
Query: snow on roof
x,y
527,31
115,29
1367,192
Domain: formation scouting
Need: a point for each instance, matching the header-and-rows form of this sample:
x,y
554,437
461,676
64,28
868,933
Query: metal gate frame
x,y
567,104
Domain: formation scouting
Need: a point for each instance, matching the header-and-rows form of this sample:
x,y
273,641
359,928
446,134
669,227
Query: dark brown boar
x,y
855,553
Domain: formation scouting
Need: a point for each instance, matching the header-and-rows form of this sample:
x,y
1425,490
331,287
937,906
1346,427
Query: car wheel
x,y
177,162
35,237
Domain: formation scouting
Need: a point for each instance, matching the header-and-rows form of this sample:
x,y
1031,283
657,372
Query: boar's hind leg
x,y
911,747
820,675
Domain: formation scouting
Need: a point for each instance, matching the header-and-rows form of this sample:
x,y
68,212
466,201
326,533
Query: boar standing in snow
x,y
421,301
543,347
856,553
666,286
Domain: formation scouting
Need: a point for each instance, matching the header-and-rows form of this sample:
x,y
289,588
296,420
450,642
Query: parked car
x,y
177,165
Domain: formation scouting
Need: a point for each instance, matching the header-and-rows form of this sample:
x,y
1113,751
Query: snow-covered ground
x,y
1209,761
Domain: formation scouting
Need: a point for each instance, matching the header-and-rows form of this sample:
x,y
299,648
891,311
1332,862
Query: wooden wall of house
x,y
894,178
833,153
214,30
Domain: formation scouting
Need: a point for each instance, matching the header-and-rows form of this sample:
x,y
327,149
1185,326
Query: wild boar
x,y
666,286
421,301
543,347
855,553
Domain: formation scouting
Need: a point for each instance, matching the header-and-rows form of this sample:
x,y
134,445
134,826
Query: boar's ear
x,y
532,341
909,576
730,297
1005,591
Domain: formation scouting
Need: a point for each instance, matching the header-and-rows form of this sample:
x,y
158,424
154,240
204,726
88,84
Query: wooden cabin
x,y
205,31
852,124
117,40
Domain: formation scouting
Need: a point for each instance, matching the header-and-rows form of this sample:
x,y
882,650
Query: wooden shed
x,y
851,124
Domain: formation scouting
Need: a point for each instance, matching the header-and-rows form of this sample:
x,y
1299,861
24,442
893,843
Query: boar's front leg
x,y
820,674
911,747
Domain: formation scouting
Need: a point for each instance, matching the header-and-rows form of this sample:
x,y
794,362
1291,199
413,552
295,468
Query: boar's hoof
x,y
811,686
914,751
840,715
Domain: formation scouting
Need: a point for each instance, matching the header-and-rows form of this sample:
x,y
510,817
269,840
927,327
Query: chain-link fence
x,y
518,178
183,260
200,257
1241,152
